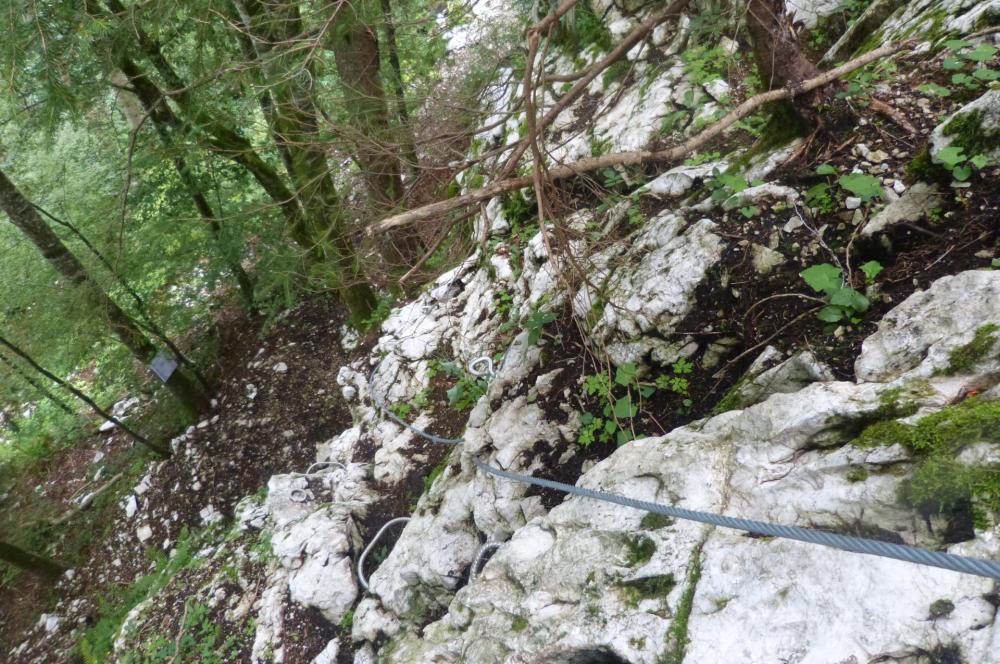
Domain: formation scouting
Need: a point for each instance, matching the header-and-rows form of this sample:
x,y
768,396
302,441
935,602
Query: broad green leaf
x,y
984,74
952,63
822,278
624,408
864,186
961,79
830,314
826,169
750,211
872,269
625,373
934,89
951,156
980,161
455,394
956,44
735,183
961,173
646,391
849,298
981,53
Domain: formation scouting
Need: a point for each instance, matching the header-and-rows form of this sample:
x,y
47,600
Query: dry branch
x,y
619,51
436,210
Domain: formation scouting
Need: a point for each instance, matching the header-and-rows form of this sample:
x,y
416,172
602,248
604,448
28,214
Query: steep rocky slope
x,y
669,310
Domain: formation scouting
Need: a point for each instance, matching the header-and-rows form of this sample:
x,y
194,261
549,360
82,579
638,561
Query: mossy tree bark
x,y
24,216
779,56
32,562
355,47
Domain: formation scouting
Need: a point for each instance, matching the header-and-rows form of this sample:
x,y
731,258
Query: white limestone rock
x,y
917,338
985,112
913,205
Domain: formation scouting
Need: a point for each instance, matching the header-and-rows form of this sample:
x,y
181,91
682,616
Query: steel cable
x,y
919,556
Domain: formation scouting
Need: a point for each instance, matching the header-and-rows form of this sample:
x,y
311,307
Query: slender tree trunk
x,y
408,144
312,211
140,304
160,449
32,562
26,377
165,123
23,215
294,122
356,51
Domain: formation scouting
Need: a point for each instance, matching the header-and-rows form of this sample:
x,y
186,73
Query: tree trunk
x,y
32,562
165,123
23,215
294,122
407,142
356,51
780,60
160,449
312,211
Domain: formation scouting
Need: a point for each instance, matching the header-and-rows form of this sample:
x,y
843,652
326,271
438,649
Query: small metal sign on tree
x,y
163,365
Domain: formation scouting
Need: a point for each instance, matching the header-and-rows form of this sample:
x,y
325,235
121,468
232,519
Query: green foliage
x,y
379,313
954,159
704,63
967,64
845,303
583,29
871,269
464,394
199,639
639,549
518,624
621,400
347,622
866,187
98,640
535,323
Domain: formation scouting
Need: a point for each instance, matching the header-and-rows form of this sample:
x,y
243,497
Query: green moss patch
x,y
640,549
965,357
657,586
967,131
940,483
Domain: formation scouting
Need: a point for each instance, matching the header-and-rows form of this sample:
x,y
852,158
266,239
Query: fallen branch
x,y
619,51
87,502
436,210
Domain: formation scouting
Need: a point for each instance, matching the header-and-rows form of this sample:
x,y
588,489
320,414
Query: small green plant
x,y
871,269
401,409
844,303
379,313
865,187
621,400
702,158
466,392
673,121
535,323
347,622
954,159
968,63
